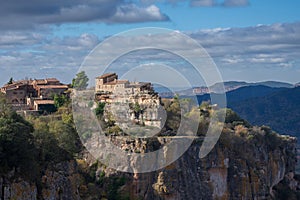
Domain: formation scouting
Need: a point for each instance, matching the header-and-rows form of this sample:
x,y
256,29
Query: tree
x,y
46,143
11,80
4,108
81,81
173,114
16,141
59,100
137,110
100,109
66,136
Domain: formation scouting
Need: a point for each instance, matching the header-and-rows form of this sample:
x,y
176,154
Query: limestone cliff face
x,y
17,189
239,167
246,167
61,182
246,163
143,108
58,182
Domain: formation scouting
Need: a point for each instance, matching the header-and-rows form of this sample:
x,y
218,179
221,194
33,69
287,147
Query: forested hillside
x,y
279,110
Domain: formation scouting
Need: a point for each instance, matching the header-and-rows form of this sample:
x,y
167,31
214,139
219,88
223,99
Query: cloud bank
x,y
250,49
19,14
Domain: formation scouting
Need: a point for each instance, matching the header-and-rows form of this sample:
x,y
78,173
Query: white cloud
x,y
266,60
232,59
18,14
132,13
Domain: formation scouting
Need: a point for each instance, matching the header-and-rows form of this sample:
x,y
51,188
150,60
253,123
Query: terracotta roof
x,y
106,75
15,86
12,87
17,83
43,102
52,79
40,81
45,81
122,81
53,86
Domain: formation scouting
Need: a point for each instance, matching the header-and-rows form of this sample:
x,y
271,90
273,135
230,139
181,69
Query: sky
x,y
249,40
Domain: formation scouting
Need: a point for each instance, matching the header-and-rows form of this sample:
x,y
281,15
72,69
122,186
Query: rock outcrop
x,y
58,182
259,165
239,167
246,163
17,189
62,182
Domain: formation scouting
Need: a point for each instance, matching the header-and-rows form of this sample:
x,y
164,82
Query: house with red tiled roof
x,y
31,94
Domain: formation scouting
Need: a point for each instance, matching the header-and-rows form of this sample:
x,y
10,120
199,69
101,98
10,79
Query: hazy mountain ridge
x,y
232,85
228,86
279,110
242,93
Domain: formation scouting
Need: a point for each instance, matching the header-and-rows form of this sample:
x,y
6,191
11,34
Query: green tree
x,y
16,141
81,81
4,108
100,109
137,110
66,136
46,143
11,80
173,113
59,100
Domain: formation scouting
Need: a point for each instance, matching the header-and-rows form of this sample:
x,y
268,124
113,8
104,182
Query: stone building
x,y
106,82
32,94
46,88
121,97
40,104
109,85
47,91
17,92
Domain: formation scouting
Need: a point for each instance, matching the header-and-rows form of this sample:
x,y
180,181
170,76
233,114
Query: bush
x,y
60,100
17,148
99,111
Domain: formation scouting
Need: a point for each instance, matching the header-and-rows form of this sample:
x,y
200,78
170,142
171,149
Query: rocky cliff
x,y
246,163
253,166
60,181
239,167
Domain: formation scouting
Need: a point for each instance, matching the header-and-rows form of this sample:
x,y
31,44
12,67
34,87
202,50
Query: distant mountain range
x,y
280,110
243,93
229,86
276,107
232,85
271,103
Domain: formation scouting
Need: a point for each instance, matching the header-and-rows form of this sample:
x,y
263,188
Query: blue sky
x,y
253,40
185,17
